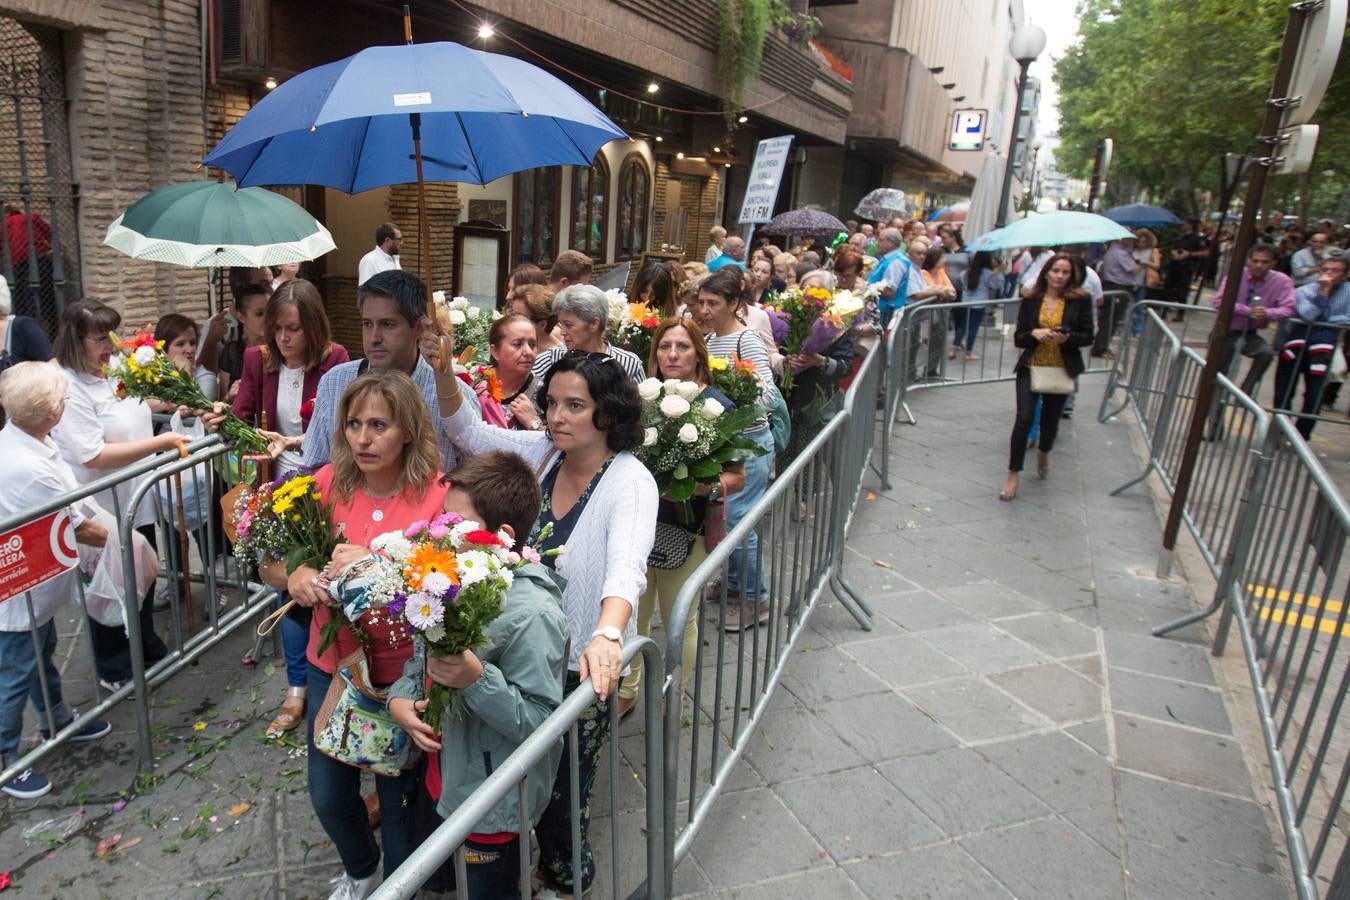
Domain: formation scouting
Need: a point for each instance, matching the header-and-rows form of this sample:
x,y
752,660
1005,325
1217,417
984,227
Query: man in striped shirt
x,y
582,311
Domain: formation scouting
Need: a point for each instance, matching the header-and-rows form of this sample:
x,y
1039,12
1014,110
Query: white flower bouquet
x,y
471,326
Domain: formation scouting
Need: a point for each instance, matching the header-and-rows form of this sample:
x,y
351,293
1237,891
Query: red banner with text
x,y
36,552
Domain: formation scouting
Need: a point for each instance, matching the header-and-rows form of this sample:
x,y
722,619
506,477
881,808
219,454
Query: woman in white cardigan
x,y
601,503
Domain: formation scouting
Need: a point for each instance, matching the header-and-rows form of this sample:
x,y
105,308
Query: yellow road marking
x,y
1273,613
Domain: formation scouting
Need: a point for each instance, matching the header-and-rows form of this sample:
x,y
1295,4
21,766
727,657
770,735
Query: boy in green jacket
x,y
508,688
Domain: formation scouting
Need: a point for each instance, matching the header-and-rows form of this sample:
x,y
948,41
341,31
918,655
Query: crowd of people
x,y
544,451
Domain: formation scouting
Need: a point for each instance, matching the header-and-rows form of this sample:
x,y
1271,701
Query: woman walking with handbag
x,y
384,476
1053,322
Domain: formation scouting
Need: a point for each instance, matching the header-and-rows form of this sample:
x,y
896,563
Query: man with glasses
x,y
582,311
1306,264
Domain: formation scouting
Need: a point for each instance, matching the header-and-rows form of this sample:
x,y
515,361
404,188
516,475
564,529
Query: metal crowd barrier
x,y
186,644
1273,529
512,776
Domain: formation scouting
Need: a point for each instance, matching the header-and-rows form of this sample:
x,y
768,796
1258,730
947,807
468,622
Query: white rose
x,y
649,437
650,389
671,385
473,312
438,296
673,406
688,390
688,433
459,303
457,317
393,544
144,356
711,409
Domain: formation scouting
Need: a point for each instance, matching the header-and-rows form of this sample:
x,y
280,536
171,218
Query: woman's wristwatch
x,y
536,424
609,632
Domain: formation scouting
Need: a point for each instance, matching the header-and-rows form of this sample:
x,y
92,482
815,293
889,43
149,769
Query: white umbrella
x,y
983,212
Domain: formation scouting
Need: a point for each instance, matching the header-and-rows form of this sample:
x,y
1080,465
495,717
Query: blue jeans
x,y
19,681
967,327
335,793
738,504
294,643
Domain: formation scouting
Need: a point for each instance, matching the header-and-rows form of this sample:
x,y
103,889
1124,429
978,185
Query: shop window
x,y
635,182
536,213
590,202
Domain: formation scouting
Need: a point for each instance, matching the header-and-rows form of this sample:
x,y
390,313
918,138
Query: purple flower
x,y
396,605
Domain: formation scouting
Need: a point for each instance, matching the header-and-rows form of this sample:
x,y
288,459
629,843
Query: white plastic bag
x,y
105,595
196,484
1338,366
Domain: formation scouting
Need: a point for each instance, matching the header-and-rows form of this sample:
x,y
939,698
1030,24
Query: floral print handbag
x,y
353,725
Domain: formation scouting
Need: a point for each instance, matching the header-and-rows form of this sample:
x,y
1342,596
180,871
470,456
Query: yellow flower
x,y
200,726
717,363
280,505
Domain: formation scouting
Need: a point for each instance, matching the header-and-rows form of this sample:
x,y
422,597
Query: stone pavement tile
x,y
995,562
941,540
632,857
794,743
868,578
1177,818
810,885
973,710
858,813
1053,691
1129,617
943,872
1167,699
829,674
751,836
1158,873
1064,774
982,648
1164,596
919,610
885,726
832,625
1054,634
1197,758
953,511
1093,734
1054,590
963,791
1159,656
935,572
1090,667
990,600
1048,858
255,885
903,660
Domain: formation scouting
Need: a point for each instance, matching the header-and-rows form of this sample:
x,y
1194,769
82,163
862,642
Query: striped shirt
x,y
630,362
318,444
747,344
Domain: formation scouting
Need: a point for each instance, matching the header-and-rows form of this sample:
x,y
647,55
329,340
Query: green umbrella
x,y
1053,229
209,224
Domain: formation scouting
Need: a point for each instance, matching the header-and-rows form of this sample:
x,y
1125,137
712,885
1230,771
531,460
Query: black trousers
x,y
1052,407
112,651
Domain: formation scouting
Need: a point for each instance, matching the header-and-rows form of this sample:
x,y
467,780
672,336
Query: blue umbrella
x,y
1141,215
347,124
1053,229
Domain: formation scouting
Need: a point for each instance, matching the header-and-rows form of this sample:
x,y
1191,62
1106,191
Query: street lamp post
x,y
1028,203
1027,43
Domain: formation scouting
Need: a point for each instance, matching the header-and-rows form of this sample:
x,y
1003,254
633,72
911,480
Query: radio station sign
x,y
766,174
36,552
968,127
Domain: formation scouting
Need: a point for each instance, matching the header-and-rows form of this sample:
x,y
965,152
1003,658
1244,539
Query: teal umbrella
x,y
1053,229
211,224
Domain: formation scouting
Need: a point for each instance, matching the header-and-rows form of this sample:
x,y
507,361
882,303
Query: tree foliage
x,y
1175,85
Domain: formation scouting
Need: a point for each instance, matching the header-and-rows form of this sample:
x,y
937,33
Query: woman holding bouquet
x,y
276,392
384,476
816,381
719,309
99,434
679,351
505,389
601,503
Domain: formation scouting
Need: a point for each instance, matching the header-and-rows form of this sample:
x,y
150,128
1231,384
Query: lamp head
x,y
1027,43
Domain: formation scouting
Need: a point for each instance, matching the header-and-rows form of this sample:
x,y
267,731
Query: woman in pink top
x,y
384,476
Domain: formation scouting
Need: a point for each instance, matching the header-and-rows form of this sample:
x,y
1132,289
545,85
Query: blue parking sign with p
x,y
968,129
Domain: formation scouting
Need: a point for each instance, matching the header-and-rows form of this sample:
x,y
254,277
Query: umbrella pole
x,y
423,225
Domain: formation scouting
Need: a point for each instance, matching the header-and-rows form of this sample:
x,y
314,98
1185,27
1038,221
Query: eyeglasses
x,y
594,357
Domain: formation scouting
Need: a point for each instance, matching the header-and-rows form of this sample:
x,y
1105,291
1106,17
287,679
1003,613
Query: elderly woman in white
x,y
599,502
34,396
99,434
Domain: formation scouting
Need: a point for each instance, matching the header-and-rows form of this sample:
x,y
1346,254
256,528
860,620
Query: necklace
x,y
378,514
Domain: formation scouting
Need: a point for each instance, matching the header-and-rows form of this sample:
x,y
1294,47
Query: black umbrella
x,y
814,222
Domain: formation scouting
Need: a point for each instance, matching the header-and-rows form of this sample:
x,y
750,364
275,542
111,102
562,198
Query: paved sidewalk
x,y
1009,727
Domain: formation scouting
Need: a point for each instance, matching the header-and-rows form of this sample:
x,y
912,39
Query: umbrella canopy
x,y
207,223
954,213
1052,229
347,124
983,211
805,221
1141,215
883,203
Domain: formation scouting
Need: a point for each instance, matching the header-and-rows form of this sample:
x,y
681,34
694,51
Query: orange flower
x,y
494,385
743,365
638,312
428,558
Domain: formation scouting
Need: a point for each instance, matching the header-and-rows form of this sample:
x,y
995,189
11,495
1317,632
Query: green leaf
x,y
706,468
682,489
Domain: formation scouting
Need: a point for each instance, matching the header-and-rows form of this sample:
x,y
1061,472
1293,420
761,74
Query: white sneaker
x,y
349,888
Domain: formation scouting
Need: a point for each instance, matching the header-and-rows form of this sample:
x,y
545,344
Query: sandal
x,y
1006,495
290,715
1042,468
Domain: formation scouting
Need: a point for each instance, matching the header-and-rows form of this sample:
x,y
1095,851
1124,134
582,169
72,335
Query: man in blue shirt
x,y
733,254
1309,344
891,272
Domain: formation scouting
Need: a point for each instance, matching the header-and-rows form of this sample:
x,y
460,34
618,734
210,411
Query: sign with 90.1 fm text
x,y
765,176
36,552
